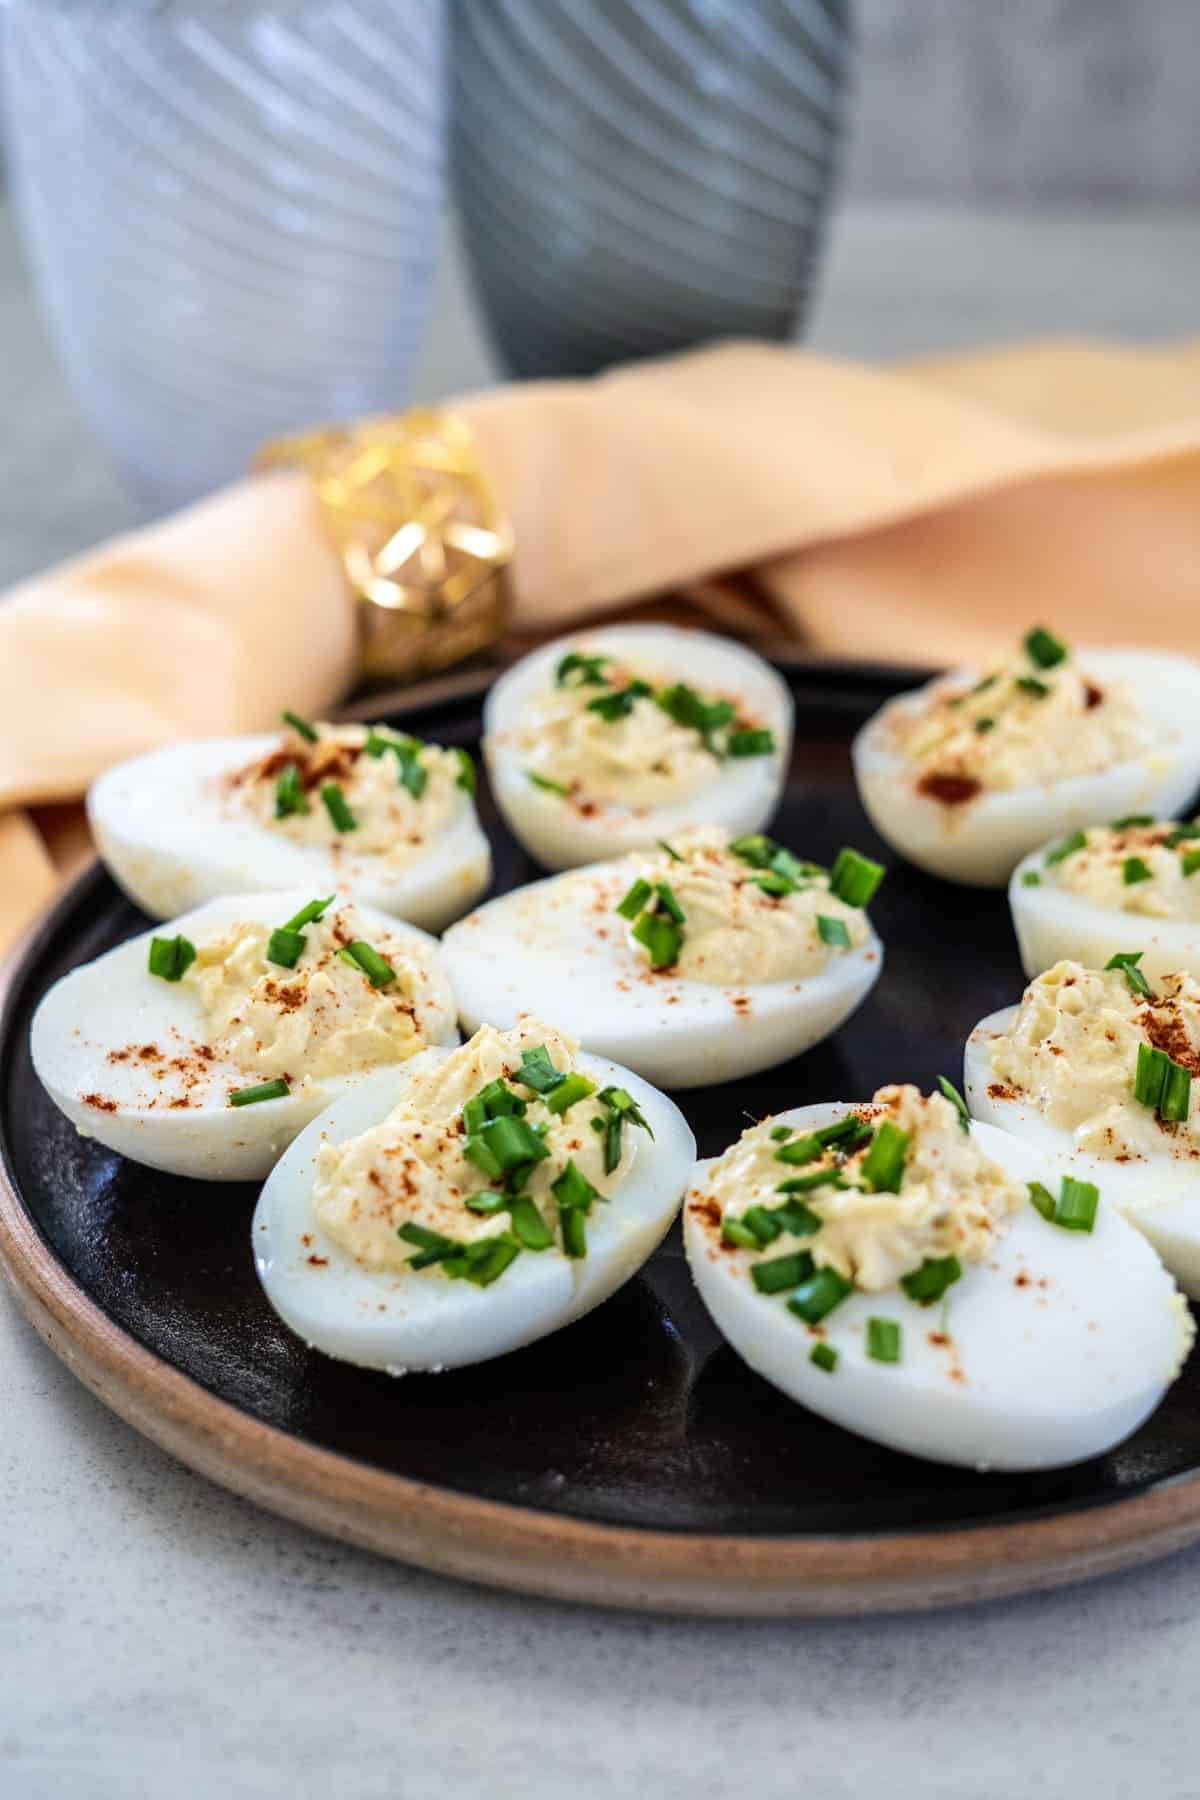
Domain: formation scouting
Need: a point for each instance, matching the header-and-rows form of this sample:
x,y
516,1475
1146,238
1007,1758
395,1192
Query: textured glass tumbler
x,y
640,175
231,208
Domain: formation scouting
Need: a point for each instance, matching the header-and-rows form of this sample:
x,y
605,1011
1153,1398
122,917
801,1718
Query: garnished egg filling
x,y
605,741
908,1275
1129,885
1098,1067
704,959
968,774
363,808
203,1050
479,1199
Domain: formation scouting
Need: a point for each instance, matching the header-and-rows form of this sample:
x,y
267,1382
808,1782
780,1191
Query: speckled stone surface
x,y
158,1636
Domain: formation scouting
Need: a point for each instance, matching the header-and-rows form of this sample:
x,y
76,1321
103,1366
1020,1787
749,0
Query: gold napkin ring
x,y
407,506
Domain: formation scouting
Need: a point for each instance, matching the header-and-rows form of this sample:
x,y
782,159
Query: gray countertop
x,y
158,1636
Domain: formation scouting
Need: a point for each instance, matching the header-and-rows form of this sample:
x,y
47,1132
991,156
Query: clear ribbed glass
x,y
231,210
635,176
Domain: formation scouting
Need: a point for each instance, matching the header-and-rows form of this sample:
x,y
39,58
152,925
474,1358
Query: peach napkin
x,y
922,512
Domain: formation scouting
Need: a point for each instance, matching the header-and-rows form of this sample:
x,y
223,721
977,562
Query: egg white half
x,y
742,796
1159,1195
1061,1344
114,1004
403,1322
168,835
1053,924
979,842
538,950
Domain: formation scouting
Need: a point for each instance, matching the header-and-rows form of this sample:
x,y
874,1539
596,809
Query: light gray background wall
x,y
1044,100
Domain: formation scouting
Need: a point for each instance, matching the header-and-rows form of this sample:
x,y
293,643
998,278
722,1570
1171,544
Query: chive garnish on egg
x,y
263,1090
338,808
883,1340
301,727
1044,649
1127,961
377,969
171,958
855,878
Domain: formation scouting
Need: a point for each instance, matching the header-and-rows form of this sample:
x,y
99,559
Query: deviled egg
x,y
363,809
609,740
1130,885
470,1202
701,961
967,775
908,1275
205,1049
1094,1068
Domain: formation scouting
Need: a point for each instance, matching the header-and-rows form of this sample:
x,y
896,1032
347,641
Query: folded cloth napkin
x,y
922,512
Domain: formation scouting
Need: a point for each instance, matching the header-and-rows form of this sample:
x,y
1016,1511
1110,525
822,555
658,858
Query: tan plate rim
x,y
544,1553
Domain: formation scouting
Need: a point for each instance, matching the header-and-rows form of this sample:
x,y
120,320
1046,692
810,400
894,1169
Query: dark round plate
x,y
633,1457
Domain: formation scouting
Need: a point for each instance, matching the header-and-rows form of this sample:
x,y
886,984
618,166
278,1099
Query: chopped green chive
x,y
883,1340
171,958
529,1227
495,1101
780,1132
734,1232
263,1090
760,742
825,1357
635,899
687,707
855,879
816,1298
337,807
1131,821
1077,1203
588,669
308,915
833,931
1133,869
781,1272
800,1150
673,854
465,778
547,786
537,1071
377,969
431,1245
301,727
883,1165
484,1261
1044,649
572,1223
573,1190
763,1224
510,1143
1075,1208
982,725
847,1134
285,947
621,1106
1127,961
669,902
778,886
1162,1084
1180,834
804,1184
413,774
1068,847
290,797
662,939
486,1202
797,1218
1029,684
1042,1199
1176,1094
619,704
957,1102
928,1283
566,1092
1031,878
1191,862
